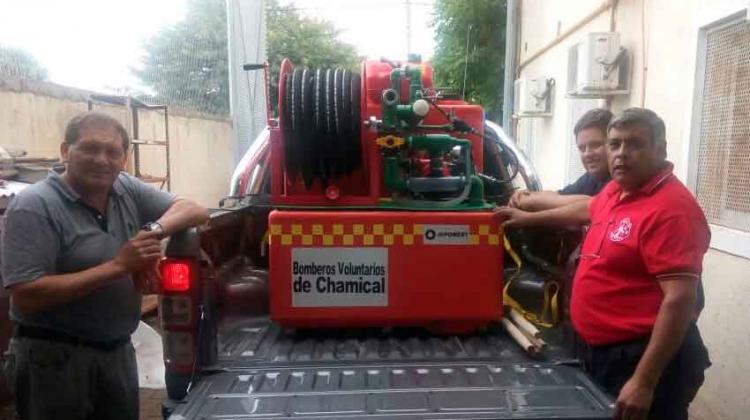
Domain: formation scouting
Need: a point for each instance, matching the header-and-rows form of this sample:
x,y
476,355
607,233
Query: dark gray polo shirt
x,y
48,230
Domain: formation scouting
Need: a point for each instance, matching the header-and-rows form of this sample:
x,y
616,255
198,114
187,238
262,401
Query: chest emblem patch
x,y
621,231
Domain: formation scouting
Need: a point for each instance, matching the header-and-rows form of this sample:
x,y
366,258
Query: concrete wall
x,y
724,325
33,116
665,58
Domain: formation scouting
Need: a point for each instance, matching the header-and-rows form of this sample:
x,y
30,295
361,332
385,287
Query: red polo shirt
x,y
655,232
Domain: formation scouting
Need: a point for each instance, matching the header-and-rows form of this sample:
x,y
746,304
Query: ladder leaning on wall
x,y
133,105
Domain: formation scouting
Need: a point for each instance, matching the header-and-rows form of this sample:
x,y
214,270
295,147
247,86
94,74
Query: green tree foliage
x,y
484,22
187,64
306,42
20,64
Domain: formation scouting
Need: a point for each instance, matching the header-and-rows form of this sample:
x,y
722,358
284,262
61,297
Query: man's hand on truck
x,y
573,214
512,217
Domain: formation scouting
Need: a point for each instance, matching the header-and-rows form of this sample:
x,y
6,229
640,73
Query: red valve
x,y
333,193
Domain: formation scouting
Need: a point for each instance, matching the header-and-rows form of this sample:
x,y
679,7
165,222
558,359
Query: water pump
x,y
386,139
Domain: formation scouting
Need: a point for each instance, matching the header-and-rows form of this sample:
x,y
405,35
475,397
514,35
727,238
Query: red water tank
x,y
441,270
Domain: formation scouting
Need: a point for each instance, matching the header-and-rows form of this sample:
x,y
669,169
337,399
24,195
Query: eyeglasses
x,y
596,253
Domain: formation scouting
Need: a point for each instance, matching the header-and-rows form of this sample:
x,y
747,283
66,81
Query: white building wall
x,y
670,49
541,21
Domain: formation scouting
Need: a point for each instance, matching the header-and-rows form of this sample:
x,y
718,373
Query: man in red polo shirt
x,y
635,288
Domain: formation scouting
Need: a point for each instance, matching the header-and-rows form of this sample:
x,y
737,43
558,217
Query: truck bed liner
x,y
259,341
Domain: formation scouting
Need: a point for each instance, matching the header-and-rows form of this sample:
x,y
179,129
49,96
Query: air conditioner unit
x,y
533,96
597,66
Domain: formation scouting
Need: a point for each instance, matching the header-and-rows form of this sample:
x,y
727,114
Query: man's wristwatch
x,y
154,227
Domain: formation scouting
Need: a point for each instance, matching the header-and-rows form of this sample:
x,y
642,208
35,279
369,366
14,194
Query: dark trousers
x,y
612,365
55,380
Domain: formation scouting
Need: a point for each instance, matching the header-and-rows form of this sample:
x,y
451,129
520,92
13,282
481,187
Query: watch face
x,y
150,227
156,227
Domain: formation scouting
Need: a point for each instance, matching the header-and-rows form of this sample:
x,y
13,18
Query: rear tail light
x,y
180,280
179,350
176,310
176,275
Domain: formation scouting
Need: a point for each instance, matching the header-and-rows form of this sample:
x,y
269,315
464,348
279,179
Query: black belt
x,y
24,331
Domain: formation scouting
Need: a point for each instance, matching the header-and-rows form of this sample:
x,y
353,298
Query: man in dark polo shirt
x,y
591,136
70,248
635,289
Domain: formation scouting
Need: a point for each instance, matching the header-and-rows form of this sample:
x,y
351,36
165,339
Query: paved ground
x,y
151,398
151,403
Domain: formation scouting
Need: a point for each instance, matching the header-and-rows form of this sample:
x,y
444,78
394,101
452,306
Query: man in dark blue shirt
x,y
586,184
591,138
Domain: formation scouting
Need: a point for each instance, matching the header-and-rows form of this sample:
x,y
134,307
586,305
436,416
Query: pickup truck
x,y
225,359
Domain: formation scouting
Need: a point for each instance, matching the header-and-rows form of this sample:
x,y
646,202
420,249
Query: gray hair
x,y
87,119
643,116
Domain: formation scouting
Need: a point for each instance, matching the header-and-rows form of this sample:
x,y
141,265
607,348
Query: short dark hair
x,y
87,119
593,118
643,116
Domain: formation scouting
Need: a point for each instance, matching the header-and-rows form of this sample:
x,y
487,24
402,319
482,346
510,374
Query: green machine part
x,y
435,145
400,118
397,116
414,74
392,174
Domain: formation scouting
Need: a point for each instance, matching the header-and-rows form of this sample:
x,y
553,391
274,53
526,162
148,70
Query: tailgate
x,y
266,372
462,390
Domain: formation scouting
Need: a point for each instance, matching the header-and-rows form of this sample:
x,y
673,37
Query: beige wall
x,y
671,44
201,155
33,117
724,325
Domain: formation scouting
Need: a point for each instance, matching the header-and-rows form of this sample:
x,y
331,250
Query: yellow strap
x,y
553,305
550,301
264,243
550,298
529,315
511,252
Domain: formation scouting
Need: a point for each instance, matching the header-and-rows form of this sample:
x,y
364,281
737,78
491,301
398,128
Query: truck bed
x,y
264,371
248,342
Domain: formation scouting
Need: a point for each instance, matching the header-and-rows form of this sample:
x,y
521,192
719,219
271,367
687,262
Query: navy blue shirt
x,y
585,185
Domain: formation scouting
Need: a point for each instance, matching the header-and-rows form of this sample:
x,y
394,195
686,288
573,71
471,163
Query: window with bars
x,y
722,181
